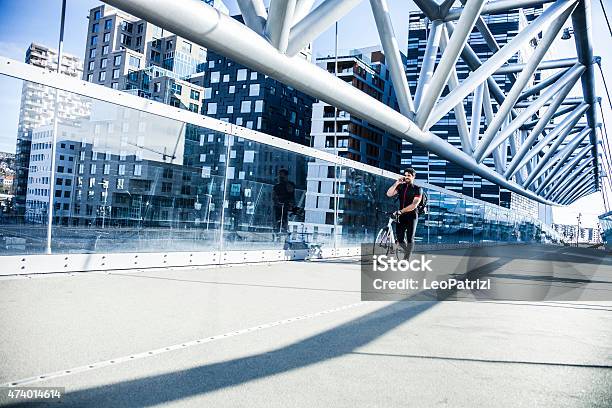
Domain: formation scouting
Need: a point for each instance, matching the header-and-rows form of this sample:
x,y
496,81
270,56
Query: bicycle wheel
x,y
382,240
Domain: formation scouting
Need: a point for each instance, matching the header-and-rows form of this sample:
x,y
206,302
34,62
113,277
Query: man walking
x,y
407,215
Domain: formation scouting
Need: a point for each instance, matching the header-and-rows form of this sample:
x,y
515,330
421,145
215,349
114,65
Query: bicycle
x,y
385,238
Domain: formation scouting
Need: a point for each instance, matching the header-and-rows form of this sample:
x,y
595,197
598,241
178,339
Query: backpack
x,y
422,207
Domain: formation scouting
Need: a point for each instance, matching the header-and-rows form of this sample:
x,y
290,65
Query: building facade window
x,y
242,75
195,95
212,108
134,62
245,107
108,24
102,76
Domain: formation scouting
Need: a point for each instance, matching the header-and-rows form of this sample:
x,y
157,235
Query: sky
x,y
23,22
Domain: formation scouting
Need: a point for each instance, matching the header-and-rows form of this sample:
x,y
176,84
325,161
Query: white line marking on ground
x,y
599,258
119,360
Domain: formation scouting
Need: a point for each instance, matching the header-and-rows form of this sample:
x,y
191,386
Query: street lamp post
x,y
578,229
104,185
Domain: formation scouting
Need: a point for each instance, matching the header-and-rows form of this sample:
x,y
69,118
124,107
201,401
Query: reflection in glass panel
x,y
129,181
267,198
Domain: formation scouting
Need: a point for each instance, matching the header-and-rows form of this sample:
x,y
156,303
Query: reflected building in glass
x,y
37,109
338,132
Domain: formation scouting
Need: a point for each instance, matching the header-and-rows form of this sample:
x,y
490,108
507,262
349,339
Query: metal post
x,y
104,185
335,189
60,50
578,229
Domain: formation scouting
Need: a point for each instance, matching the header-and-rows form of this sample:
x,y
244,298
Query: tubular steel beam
x,y
460,116
522,81
429,61
580,178
498,6
461,33
556,114
541,85
485,149
565,184
563,156
566,101
279,23
561,131
202,24
393,58
316,22
582,190
539,128
567,169
473,62
302,9
254,14
429,7
550,64
581,22
492,64
476,114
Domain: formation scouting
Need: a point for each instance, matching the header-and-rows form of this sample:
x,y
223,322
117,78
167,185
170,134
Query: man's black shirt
x,y
406,193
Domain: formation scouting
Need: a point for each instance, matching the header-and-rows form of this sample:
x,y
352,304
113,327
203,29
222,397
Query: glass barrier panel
x,y
274,198
124,180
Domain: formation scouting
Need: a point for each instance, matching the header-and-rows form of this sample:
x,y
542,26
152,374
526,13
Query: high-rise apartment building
x,y
129,54
38,109
436,170
346,135
242,96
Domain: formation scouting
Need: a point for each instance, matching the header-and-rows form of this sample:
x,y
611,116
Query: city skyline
x,y
77,29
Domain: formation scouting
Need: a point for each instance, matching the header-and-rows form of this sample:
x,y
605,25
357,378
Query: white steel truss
x,y
533,120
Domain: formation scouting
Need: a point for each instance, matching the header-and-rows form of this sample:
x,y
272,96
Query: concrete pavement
x,y
296,334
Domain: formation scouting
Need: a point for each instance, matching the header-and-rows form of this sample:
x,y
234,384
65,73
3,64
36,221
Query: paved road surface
x,y
297,334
